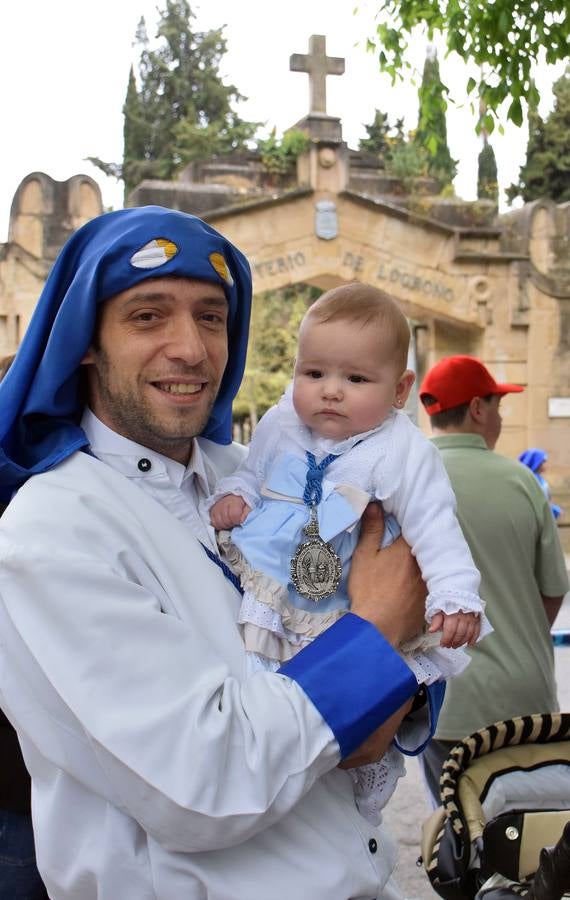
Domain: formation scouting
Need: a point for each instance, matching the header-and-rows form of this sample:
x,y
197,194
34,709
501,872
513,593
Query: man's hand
x,y
376,745
385,586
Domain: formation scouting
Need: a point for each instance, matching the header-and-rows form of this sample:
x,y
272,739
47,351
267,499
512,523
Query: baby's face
x,y
345,382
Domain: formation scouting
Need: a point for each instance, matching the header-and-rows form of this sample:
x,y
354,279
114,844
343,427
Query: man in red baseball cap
x,y
453,385
512,535
456,381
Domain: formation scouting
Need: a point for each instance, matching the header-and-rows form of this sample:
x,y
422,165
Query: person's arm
x,y
387,589
403,584
552,607
424,505
386,586
375,746
152,710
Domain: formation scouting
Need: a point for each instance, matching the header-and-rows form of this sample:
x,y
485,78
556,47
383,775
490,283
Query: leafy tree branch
x,y
503,38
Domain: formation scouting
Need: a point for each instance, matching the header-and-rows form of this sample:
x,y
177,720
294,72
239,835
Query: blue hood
x,y
533,458
40,402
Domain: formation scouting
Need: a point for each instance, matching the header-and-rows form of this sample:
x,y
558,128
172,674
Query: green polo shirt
x,y
512,534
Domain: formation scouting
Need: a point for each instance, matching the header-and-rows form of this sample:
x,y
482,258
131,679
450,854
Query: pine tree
x,y
487,184
431,133
178,108
377,135
546,172
383,139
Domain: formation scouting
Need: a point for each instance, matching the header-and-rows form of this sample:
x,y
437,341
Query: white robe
x,y
158,769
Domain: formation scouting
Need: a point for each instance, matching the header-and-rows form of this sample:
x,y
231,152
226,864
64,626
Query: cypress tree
x,y
134,131
546,172
487,184
431,133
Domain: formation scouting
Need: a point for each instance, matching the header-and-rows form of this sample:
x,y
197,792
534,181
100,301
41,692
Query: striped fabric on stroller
x,y
505,795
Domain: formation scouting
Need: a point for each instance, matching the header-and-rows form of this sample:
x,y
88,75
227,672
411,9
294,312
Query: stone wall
x,y
43,215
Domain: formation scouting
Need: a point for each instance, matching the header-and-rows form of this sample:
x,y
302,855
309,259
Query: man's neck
x,y
183,459
458,429
453,429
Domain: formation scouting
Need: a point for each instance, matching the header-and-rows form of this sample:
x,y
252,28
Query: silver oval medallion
x,y
316,568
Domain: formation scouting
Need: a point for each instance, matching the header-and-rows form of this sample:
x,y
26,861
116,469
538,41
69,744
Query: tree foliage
x,y
278,155
177,108
382,138
487,181
409,161
503,38
377,140
431,133
401,154
275,320
546,172
421,152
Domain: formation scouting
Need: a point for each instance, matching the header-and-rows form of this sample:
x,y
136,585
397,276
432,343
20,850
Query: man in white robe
x,y
158,769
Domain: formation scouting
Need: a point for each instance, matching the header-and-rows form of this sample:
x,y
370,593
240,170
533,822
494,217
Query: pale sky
x,y
64,68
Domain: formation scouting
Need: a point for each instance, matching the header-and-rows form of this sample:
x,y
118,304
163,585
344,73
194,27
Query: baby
x,y
336,440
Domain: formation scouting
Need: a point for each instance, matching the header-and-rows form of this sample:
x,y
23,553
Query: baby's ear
x,y
403,388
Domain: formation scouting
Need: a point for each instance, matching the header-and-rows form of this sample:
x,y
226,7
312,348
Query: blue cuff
x,y
354,677
435,697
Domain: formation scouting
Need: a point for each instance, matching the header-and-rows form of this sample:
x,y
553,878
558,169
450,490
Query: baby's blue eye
x,y
356,379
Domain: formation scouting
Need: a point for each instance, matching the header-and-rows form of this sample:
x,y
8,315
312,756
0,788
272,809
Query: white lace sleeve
x,y
247,479
424,505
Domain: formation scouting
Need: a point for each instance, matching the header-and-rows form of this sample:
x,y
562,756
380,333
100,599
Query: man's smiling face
x,y
154,370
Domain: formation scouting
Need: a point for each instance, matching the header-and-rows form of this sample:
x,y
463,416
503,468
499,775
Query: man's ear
x,y
477,409
403,388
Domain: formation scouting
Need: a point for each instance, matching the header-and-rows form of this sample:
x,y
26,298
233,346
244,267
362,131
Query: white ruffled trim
x,y
266,601
375,783
453,601
437,664
252,610
266,643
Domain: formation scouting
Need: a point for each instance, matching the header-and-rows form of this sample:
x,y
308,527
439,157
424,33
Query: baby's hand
x,y
457,628
229,511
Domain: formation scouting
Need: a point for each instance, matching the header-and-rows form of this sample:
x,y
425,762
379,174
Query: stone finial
x,y
46,212
317,65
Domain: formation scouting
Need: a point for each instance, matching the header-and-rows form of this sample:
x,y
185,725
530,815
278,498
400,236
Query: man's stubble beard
x,y
133,418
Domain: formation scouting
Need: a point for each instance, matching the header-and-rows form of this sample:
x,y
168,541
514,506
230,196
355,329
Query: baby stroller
x,y
505,796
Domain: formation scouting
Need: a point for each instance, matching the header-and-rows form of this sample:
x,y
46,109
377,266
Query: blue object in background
x,y
534,459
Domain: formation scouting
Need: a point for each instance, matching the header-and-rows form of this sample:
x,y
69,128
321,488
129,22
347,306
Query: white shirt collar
x,y
132,459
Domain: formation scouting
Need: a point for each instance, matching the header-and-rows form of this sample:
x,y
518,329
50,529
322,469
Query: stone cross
x,y
317,65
